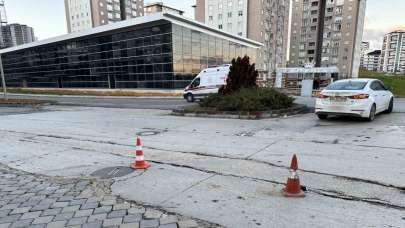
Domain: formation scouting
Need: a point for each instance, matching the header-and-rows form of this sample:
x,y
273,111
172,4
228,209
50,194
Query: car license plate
x,y
338,99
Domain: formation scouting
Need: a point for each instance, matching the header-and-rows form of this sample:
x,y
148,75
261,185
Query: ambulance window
x,y
195,83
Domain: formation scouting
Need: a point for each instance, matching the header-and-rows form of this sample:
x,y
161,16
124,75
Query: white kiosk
x,y
308,80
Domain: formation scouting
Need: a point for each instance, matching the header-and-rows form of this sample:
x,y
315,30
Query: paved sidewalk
x,y
36,201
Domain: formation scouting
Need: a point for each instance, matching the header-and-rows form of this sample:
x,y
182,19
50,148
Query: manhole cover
x,y
111,172
148,133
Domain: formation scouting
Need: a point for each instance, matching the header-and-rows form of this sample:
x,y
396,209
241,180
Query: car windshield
x,y
347,85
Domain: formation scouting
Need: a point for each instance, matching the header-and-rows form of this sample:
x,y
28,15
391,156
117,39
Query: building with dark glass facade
x,y
162,51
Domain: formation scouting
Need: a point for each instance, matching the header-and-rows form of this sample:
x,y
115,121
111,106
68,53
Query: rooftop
x,y
173,18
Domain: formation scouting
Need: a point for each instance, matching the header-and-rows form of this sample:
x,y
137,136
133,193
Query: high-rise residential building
x,y
371,60
159,7
85,14
3,21
393,53
265,21
327,33
365,48
17,34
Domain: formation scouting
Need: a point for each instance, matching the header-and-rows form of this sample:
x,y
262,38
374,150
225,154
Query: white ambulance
x,y
206,82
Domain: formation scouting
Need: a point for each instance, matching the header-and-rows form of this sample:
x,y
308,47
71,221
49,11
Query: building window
x,y
229,14
219,26
240,13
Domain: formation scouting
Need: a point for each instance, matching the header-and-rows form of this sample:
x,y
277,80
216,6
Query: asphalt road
x,y
112,102
163,103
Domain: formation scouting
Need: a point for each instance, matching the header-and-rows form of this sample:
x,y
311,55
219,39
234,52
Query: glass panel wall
x,y
161,55
194,51
134,58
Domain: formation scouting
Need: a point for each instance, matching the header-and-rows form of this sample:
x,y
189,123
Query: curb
x,y
92,96
256,115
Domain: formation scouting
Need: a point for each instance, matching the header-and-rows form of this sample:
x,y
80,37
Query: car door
x,y
377,95
385,95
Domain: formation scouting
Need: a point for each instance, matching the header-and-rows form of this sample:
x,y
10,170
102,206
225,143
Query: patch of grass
x,y
123,93
395,82
252,99
21,102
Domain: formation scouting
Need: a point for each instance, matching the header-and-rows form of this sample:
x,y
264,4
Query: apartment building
x,y
17,34
159,7
85,14
327,33
265,21
393,53
3,21
365,48
371,60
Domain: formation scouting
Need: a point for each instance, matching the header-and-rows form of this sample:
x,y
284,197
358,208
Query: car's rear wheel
x,y
322,116
390,107
371,116
190,97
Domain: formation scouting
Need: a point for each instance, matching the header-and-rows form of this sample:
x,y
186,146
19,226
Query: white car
x,y
354,97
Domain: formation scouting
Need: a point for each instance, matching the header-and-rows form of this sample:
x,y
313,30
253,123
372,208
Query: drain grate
x,y
112,172
148,133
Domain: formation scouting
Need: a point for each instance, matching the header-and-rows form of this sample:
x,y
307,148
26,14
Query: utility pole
x,y
3,80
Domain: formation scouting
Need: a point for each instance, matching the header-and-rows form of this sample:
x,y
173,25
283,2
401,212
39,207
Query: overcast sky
x,y
47,17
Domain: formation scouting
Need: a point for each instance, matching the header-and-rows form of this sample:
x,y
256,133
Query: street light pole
x,y
3,80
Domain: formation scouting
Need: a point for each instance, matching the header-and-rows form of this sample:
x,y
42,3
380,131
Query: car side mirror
x,y
388,88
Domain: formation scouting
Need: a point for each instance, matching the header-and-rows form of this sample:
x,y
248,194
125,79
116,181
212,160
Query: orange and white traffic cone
x,y
140,162
293,187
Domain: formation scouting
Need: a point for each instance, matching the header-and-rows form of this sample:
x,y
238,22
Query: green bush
x,y
248,99
242,74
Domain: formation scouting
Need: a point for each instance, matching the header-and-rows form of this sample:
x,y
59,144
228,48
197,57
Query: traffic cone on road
x,y
140,162
293,187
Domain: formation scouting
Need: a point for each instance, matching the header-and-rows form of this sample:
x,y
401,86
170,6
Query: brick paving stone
x,y
37,226
65,216
107,202
97,217
95,224
152,214
103,209
121,206
38,202
116,214
4,212
83,213
168,219
130,225
77,221
149,223
41,207
112,222
132,218
57,224
70,208
10,218
10,206
5,225
31,215
171,225
42,220
60,204
53,211
91,205
22,223
77,202
20,210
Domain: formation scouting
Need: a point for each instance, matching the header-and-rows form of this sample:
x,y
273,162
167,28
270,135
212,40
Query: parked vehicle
x,y
206,82
354,97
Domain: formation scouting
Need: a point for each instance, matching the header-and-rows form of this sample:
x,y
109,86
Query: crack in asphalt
x,y
323,192
401,188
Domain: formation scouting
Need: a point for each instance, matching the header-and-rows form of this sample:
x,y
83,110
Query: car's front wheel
x,y
322,116
190,97
390,106
372,114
